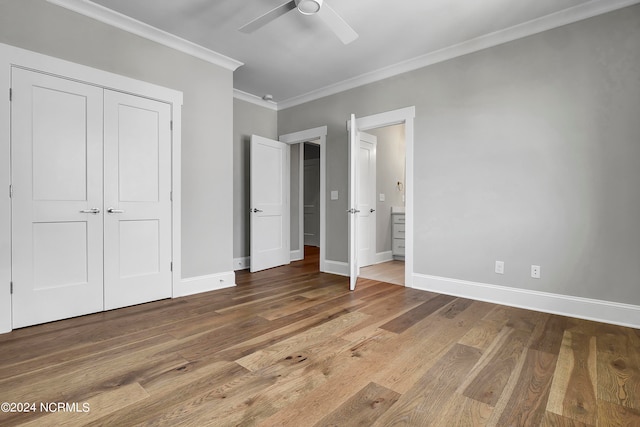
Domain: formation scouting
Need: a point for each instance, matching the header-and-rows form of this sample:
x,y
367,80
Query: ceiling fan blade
x,y
337,24
268,17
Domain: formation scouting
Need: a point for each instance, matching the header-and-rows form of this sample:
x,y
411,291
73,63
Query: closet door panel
x,y
137,150
57,198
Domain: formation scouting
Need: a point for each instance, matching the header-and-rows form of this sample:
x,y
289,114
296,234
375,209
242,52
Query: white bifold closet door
x,y
77,151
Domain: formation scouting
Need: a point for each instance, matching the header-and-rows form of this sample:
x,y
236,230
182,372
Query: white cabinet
x,y
397,235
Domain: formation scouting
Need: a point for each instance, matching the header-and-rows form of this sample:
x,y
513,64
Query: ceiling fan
x,y
307,7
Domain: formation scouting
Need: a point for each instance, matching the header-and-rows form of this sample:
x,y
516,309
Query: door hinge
x,y
10,191
171,265
10,94
171,196
11,288
171,124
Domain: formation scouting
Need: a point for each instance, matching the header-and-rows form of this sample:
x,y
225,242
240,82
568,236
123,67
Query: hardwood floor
x,y
388,272
293,347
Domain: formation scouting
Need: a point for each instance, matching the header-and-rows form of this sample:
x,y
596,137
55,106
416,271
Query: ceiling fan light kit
x,y
308,7
330,17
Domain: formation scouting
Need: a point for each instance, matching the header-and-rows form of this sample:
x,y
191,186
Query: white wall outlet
x,y
382,197
535,271
334,195
500,267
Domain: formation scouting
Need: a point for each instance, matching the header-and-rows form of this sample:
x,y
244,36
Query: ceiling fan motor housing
x,y
308,7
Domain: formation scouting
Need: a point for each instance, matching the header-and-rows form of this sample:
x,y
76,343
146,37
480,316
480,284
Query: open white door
x,y
354,143
270,216
366,182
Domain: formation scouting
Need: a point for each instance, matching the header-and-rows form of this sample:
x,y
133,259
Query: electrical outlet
x,y
382,197
500,267
535,271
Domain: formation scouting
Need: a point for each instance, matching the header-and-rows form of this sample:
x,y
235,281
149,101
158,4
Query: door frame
x,y
404,116
316,136
11,56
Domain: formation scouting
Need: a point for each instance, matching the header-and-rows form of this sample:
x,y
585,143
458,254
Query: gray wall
x,y
248,119
527,153
207,113
390,168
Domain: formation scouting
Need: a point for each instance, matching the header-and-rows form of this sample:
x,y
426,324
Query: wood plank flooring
x,y
293,347
388,272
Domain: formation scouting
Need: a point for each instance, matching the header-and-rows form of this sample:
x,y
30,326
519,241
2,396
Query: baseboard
x,y
241,263
383,257
211,282
245,262
582,308
5,321
336,267
297,255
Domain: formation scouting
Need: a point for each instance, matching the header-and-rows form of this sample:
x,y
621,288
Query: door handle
x,y
112,210
91,211
256,210
353,211
372,210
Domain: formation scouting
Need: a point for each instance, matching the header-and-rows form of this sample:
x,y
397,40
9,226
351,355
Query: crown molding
x,y
248,97
548,22
123,22
539,25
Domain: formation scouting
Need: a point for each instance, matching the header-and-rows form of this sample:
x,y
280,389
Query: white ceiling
x,y
298,55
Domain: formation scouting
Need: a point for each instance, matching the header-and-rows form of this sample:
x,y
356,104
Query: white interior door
x,y
137,200
57,247
366,177
354,144
270,191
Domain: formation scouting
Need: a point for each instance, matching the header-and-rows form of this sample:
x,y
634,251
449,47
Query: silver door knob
x,y
255,210
91,211
372,210
112,210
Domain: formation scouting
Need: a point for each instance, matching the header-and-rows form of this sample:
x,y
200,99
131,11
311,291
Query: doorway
x,y
315,139
311,194
389,186
405,117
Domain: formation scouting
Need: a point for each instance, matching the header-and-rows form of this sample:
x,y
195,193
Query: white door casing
x,y
269,203
354,147
316,136
57,244
137,200
366,199
403,115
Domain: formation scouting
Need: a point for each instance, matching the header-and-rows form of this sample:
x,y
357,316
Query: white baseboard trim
x,y
241,263
582,308
383,257
336,267
297,255
5,323
211,282
245,262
